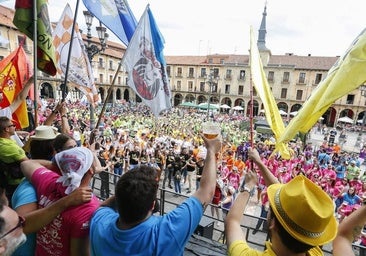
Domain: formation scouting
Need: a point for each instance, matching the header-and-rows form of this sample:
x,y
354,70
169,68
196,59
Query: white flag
x,y
80,73
144,61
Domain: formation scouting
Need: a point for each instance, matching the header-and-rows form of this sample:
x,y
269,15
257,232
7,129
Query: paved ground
x,y
350,145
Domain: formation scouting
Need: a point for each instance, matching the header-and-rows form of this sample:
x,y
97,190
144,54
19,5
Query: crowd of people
x,y
55,163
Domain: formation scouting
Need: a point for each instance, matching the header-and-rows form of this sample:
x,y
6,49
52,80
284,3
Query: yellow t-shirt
x,y
241,248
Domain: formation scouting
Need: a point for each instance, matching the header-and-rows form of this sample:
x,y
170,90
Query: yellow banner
x,y
260,83
346,75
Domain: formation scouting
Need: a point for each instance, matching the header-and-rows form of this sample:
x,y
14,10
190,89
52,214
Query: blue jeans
x,y
264,213
177,186
167,176
117,171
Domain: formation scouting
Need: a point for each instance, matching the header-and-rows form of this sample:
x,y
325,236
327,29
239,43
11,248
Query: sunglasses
x,y
12,125
21,223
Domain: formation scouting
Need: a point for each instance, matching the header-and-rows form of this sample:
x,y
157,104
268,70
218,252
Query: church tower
x,y
264,52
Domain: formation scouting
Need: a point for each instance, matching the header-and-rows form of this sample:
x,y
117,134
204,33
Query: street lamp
x,y
212,81
92,50
359,137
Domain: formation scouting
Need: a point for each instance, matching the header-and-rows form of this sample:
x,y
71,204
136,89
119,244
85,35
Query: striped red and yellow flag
x,y
14,69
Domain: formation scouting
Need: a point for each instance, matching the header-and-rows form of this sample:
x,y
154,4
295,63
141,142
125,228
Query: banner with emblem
x,y
80,74
145,63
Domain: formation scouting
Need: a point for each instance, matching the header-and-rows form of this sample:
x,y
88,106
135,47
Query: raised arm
x,y
22,95
348,231
208,178
65,126
232,222
51,117
268,176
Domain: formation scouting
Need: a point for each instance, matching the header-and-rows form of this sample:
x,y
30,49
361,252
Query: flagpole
x,y
251,111
35,61
251,106
109,93
64,88
92,134
111,87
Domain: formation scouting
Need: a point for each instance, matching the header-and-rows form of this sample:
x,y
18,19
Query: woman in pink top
x,y
314,171
233,178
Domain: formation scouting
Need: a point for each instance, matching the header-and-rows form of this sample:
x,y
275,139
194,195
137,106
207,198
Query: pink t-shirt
x,y
329,173
54,239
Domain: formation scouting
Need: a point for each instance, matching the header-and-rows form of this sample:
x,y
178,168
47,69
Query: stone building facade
x,y
217,78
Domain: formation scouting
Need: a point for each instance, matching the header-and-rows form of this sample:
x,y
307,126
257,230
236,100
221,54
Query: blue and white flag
x,y
116,15
144,61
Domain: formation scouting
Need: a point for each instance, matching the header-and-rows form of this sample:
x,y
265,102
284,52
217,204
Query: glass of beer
x,y
211,129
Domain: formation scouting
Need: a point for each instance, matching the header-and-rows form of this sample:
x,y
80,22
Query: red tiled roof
x,y
304,62
294,61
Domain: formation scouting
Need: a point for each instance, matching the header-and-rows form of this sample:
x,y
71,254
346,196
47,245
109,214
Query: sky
x,y
201,27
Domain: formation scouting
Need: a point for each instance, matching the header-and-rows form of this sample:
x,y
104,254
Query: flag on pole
x,y
116,15
346,75
14,70
80,73
23,20
260,83
145,63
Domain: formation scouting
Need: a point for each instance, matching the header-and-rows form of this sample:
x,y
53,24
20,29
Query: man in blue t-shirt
x,y
133,230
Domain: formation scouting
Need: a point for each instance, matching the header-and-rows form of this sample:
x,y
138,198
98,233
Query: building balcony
x,y
301,81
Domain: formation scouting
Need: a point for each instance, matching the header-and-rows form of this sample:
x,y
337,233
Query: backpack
x,y
178,175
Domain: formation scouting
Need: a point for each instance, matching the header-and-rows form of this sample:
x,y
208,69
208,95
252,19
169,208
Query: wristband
x,y
245,189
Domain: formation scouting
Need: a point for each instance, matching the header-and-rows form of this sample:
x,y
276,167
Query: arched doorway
x,y
295,107
102,94
46,91
190,98
227,101
118,94
126,95
177,99
282,106
255,108
201,99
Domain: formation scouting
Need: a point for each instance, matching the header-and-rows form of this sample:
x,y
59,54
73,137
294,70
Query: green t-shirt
x,y
10,152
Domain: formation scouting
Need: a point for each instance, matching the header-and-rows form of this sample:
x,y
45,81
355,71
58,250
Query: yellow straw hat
x,y
304,210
